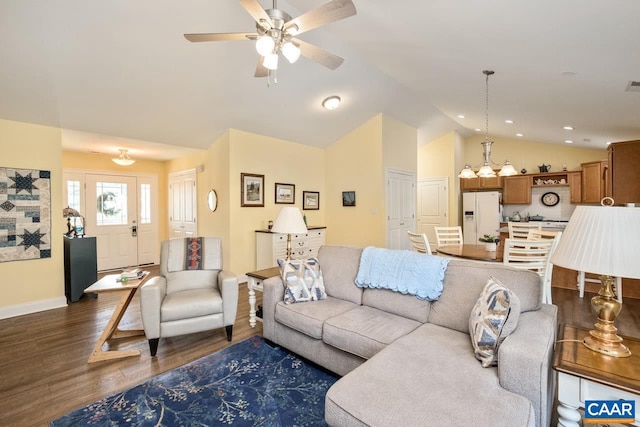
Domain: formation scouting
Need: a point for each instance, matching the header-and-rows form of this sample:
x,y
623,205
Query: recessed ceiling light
x,y
568,128
461,116
478,130
568,141
519,134
608,142
331,103
509,121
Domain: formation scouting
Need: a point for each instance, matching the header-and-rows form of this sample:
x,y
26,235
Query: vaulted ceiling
x,y
122,68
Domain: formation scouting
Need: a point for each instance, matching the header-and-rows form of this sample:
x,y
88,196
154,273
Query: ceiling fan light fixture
x,y
265,45
331,103
271,61
291,52
123,159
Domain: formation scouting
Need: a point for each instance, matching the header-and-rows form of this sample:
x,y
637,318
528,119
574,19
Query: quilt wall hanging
x,y
25,214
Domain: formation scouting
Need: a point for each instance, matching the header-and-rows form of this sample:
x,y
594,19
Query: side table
x,y
127,290
254,283
584,374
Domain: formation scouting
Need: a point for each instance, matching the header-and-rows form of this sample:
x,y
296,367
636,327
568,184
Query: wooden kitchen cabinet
x,y
575,186
516,190
494,183
594,181
624,180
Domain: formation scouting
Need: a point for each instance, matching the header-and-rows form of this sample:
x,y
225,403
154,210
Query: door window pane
x,y
145,203
73,194
111,203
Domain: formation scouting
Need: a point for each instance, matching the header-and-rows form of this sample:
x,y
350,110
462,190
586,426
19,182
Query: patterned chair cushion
x,y
493,318
302,279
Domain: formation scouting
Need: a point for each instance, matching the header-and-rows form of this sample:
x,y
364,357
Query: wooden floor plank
x,y
43,356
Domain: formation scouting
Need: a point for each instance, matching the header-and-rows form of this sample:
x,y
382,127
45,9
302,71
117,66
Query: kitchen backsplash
x,y
560,212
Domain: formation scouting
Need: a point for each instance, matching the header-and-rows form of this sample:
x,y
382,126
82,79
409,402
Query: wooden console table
x,y
127,290
584,374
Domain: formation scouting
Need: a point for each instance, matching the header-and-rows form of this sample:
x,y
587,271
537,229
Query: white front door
x,y
111,207
401,198
433,206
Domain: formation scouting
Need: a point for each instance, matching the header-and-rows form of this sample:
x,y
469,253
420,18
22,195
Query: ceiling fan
x,y
275,31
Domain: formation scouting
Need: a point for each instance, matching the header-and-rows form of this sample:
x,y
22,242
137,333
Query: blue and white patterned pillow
x,y
302,279
494,316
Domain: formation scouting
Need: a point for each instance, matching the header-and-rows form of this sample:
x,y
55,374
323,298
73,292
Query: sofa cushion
x,y
190,303
492,319
435,380
339,269
308,317
394,302
364,331
463,282
302,279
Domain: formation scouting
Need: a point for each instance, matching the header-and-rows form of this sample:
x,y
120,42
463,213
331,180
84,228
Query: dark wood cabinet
x,y
624,179
80,265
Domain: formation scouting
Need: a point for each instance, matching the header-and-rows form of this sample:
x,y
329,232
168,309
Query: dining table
x,y
473,252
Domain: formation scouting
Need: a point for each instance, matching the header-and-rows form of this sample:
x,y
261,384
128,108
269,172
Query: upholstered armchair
x,y
192,293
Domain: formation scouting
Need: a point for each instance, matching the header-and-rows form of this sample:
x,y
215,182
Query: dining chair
x,y
520,230
530,255
448,235
419,242
553,236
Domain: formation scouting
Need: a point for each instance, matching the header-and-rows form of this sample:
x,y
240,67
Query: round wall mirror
x,y
212,200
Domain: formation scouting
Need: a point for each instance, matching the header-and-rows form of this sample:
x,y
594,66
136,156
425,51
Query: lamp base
x,y
604,340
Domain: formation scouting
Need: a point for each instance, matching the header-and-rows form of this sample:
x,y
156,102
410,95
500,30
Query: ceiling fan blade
x,y
261,70
330,12
256,11
217,37
318,55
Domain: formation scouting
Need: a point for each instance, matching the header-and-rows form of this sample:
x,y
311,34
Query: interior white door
x,y
183,212
112,217
433,206
401,198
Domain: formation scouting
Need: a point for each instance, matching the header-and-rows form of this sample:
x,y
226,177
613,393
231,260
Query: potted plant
x,y
490,242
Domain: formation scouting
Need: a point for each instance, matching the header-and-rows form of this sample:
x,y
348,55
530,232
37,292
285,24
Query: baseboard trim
x,y
32,307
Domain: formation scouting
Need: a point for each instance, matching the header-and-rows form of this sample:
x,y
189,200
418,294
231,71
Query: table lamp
x,y
72,213
289,222
604,240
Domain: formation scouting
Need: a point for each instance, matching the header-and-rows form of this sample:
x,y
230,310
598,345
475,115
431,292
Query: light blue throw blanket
x,y
406,272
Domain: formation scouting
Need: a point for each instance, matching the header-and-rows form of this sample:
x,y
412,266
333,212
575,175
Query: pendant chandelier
x,y
486,171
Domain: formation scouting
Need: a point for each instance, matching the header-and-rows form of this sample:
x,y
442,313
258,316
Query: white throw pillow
x,y
494,316
302,279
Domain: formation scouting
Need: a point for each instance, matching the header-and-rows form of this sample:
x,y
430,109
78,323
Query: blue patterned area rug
x,y
247,384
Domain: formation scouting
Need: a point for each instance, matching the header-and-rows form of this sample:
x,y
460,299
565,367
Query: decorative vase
x,y
490,246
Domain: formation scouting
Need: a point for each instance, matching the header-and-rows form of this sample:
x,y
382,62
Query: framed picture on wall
x,y
285,193
310,200
348,198
251,190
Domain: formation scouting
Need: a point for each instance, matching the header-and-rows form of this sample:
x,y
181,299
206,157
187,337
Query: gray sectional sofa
x,y
409,362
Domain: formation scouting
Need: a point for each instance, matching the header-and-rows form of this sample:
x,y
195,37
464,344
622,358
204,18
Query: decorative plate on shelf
x,y
550,199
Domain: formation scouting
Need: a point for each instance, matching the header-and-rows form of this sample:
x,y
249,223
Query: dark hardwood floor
x,y
43,356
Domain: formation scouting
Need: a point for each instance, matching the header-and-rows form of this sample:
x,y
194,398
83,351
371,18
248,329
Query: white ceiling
x,y
122,68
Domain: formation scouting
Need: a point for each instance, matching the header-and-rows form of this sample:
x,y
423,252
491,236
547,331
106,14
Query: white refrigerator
x,y
481,214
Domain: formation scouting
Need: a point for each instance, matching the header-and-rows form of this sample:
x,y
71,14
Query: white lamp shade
x,y
507,170
291,52
467,172
289,221
265,45
271,61
603,240
486,172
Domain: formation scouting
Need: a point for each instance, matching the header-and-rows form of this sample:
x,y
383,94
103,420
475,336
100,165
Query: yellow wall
x,y
35,147
279,161
103,163
399,142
